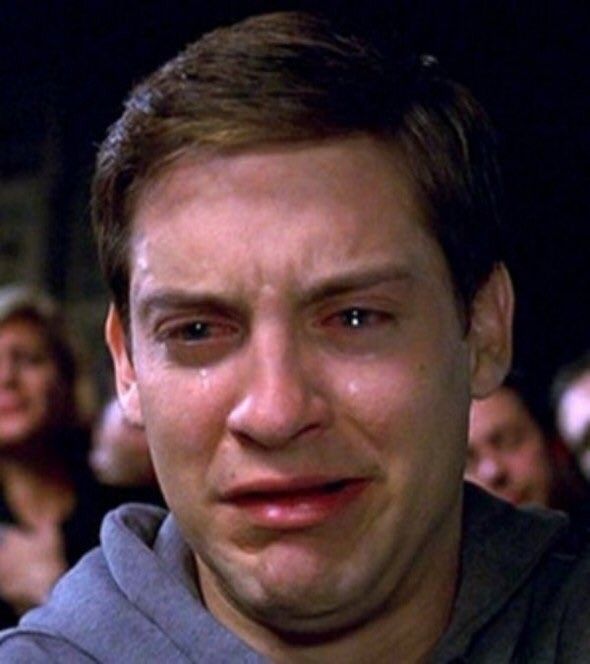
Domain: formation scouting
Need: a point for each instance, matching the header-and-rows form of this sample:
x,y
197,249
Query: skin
x,y
507,450
29,383
307,328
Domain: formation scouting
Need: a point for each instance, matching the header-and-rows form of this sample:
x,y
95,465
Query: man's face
x,y
302,374
507,452
573,420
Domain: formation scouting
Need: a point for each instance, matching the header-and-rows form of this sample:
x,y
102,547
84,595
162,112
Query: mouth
x,y
10,405
295,504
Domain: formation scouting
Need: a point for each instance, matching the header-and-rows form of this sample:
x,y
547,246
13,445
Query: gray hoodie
x,y
524,596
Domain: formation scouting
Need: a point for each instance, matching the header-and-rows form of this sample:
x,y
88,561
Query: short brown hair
x,y
289,76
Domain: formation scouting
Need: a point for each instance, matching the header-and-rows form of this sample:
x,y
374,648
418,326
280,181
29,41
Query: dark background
x,y
66,66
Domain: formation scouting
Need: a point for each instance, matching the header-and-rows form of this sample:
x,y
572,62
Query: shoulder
x,y
107,603
559,601
574,635
25,646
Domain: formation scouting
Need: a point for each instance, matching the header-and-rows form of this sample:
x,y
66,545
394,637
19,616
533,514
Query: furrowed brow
x,y
356,281
174,300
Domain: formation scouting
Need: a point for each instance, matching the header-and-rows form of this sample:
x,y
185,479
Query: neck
x,y
406,627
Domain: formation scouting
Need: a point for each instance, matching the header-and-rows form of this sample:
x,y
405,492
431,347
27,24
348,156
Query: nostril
x,y
275,422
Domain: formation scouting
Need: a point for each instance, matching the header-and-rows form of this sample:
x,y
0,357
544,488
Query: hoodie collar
x,y
501,546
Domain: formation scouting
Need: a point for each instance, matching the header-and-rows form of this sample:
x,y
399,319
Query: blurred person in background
x,y
514,453
120,457
50,505
571,401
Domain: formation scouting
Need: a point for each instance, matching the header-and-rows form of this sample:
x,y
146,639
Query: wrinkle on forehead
x,y
292,227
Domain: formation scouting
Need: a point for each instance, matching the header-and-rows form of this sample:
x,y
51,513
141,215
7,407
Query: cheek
x,y
408,412
44,389
405,392
535,463
184,418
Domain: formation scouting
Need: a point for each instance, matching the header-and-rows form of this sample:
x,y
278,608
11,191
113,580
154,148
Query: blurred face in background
x,y
31,389
120,454
573,421
507,450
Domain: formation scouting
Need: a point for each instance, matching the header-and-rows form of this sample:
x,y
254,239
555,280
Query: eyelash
x,y
206,330
208,340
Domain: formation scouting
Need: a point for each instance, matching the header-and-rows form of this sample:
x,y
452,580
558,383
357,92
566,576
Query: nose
x,y
280,399
491,472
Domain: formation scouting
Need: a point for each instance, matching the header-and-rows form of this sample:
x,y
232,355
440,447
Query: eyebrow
x,y
173,299
354,281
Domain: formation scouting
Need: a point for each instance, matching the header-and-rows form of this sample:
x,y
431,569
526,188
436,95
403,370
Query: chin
x,y
12,439
308,616
299,599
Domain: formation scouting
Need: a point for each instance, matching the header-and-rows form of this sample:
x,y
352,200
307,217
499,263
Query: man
x,y
571,398
300,238
513,452
507,452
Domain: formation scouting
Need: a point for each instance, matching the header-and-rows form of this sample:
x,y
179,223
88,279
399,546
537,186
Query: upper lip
x,y
277,486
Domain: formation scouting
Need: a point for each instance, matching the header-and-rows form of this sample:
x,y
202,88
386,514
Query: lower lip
x,y
10,409
295,510
10,402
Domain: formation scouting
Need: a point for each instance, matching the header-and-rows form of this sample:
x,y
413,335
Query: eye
x,y
196,331
200,341
509,439
359,329
357,318
26,358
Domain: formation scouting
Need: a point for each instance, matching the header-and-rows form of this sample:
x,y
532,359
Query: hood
x,y
133,594
139,594
502,547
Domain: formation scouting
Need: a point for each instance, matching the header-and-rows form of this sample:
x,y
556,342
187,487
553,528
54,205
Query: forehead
x,y
502,407
304,207
22,329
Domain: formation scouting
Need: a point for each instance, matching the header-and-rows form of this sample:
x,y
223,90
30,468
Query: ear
x,y
125,378
490,332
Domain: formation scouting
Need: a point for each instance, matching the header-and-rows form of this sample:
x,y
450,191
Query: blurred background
x,y
65,68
